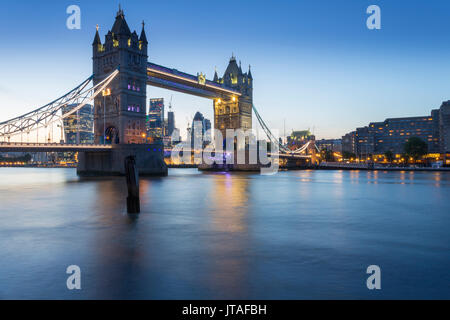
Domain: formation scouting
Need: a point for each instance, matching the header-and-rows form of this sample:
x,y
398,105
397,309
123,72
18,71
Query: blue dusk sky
x,y
315,64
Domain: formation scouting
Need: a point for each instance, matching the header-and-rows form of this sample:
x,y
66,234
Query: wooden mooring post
x,y
132,176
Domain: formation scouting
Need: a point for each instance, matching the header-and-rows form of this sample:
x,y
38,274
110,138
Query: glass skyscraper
x,y
82,131
155,119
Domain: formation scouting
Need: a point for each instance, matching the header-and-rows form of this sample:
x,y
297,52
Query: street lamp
x,y
105,93
62,134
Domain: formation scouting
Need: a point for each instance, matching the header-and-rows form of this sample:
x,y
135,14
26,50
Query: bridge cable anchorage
x,y
53,111
275,141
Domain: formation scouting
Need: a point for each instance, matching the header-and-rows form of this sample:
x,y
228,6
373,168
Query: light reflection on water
x,y
296,235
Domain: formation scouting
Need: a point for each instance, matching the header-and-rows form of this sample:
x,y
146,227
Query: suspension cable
x,y
273,138
49,114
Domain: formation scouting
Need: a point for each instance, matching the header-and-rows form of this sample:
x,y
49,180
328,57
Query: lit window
x,y
234,79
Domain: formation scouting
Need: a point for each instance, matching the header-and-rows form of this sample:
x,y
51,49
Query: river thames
x,y
294,235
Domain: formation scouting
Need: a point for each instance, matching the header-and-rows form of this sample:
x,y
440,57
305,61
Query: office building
x,y
155,119
170,122
79,126
334,145
392,134
349,143
444,127
200,129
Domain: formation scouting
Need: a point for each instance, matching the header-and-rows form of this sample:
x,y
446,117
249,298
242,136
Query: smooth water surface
x,y
294,235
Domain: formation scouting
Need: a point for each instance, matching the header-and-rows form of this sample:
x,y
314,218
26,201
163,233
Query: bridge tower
x,y
234,112
120,112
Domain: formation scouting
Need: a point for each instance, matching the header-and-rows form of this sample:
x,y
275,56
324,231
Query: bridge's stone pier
x,y
149,160
236,165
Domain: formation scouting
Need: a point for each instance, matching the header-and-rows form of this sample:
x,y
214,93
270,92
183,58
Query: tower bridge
x,y
121,73
124,113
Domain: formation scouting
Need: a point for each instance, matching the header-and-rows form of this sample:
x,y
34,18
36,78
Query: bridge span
x,y
173,79
51,147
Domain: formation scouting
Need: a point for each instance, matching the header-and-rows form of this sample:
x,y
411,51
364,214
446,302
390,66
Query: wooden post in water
x,y
132,175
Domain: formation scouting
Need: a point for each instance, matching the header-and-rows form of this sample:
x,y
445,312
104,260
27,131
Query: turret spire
x,y
216,77
120,25
143,37
97,37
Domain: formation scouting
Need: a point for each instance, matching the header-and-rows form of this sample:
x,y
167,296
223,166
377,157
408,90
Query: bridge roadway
x,y
63,147
292,156
279,155
173,79
51,147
